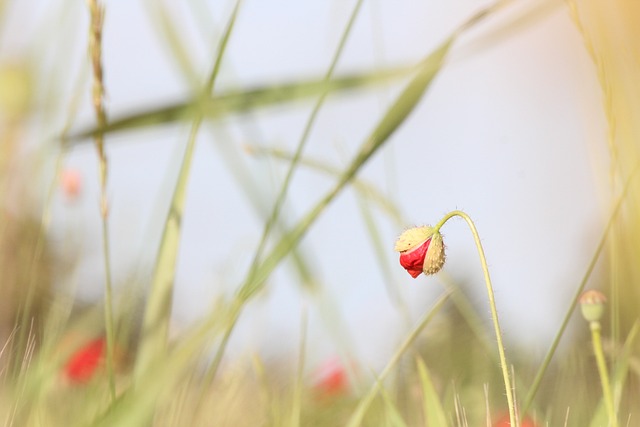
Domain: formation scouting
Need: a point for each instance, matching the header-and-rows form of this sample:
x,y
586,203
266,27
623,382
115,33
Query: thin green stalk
x,y
155,324
303,141
367,399
217,359
492,303
365,188
396,114
26,308
234,314
433,412
33,389
482,14
108,301
603,371
620,374
296,403
393,118
136,405
383,261
95,51
243,295
574,302
45,218
158,310
228,148
614,164
405,103
242,101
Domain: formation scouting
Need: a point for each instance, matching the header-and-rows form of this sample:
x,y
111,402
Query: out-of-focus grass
x,y
238,102
155,332
609,35
437,376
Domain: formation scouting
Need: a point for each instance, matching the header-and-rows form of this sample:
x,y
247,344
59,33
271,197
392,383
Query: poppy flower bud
x,y
421,250
592,305
434,259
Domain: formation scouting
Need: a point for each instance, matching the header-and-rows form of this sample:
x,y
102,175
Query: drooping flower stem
x,y
492,304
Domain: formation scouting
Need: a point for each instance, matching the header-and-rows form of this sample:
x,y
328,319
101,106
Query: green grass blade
x,y
624,362
365,401
394,418
382,260
601,418
365,188
45,221
135,406
158,310
394,117
521,18
174,38
367,192
295,160
255,195
228,151
434,414
265,390
296,403
574,302
240,101
273,218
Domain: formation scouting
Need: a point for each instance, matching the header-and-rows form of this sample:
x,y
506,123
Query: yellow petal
x,y
413,237
434,258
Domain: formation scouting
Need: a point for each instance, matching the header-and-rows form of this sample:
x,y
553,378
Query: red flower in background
x,y
504,422
85,362
331,378
71,182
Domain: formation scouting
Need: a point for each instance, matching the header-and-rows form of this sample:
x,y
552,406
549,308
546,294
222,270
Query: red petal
x,y
84,362
334,383
504,422
413,260
331,379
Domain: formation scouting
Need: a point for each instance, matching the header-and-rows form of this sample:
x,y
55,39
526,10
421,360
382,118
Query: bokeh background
x,y
512,132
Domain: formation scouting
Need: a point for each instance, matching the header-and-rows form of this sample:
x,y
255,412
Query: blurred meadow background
x,y
200,201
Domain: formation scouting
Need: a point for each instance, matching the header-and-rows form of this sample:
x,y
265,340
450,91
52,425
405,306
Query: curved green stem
x,y
492,304
604,374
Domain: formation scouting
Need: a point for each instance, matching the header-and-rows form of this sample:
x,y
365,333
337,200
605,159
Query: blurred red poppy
x,y
504,422
86,361
71,182
331,378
